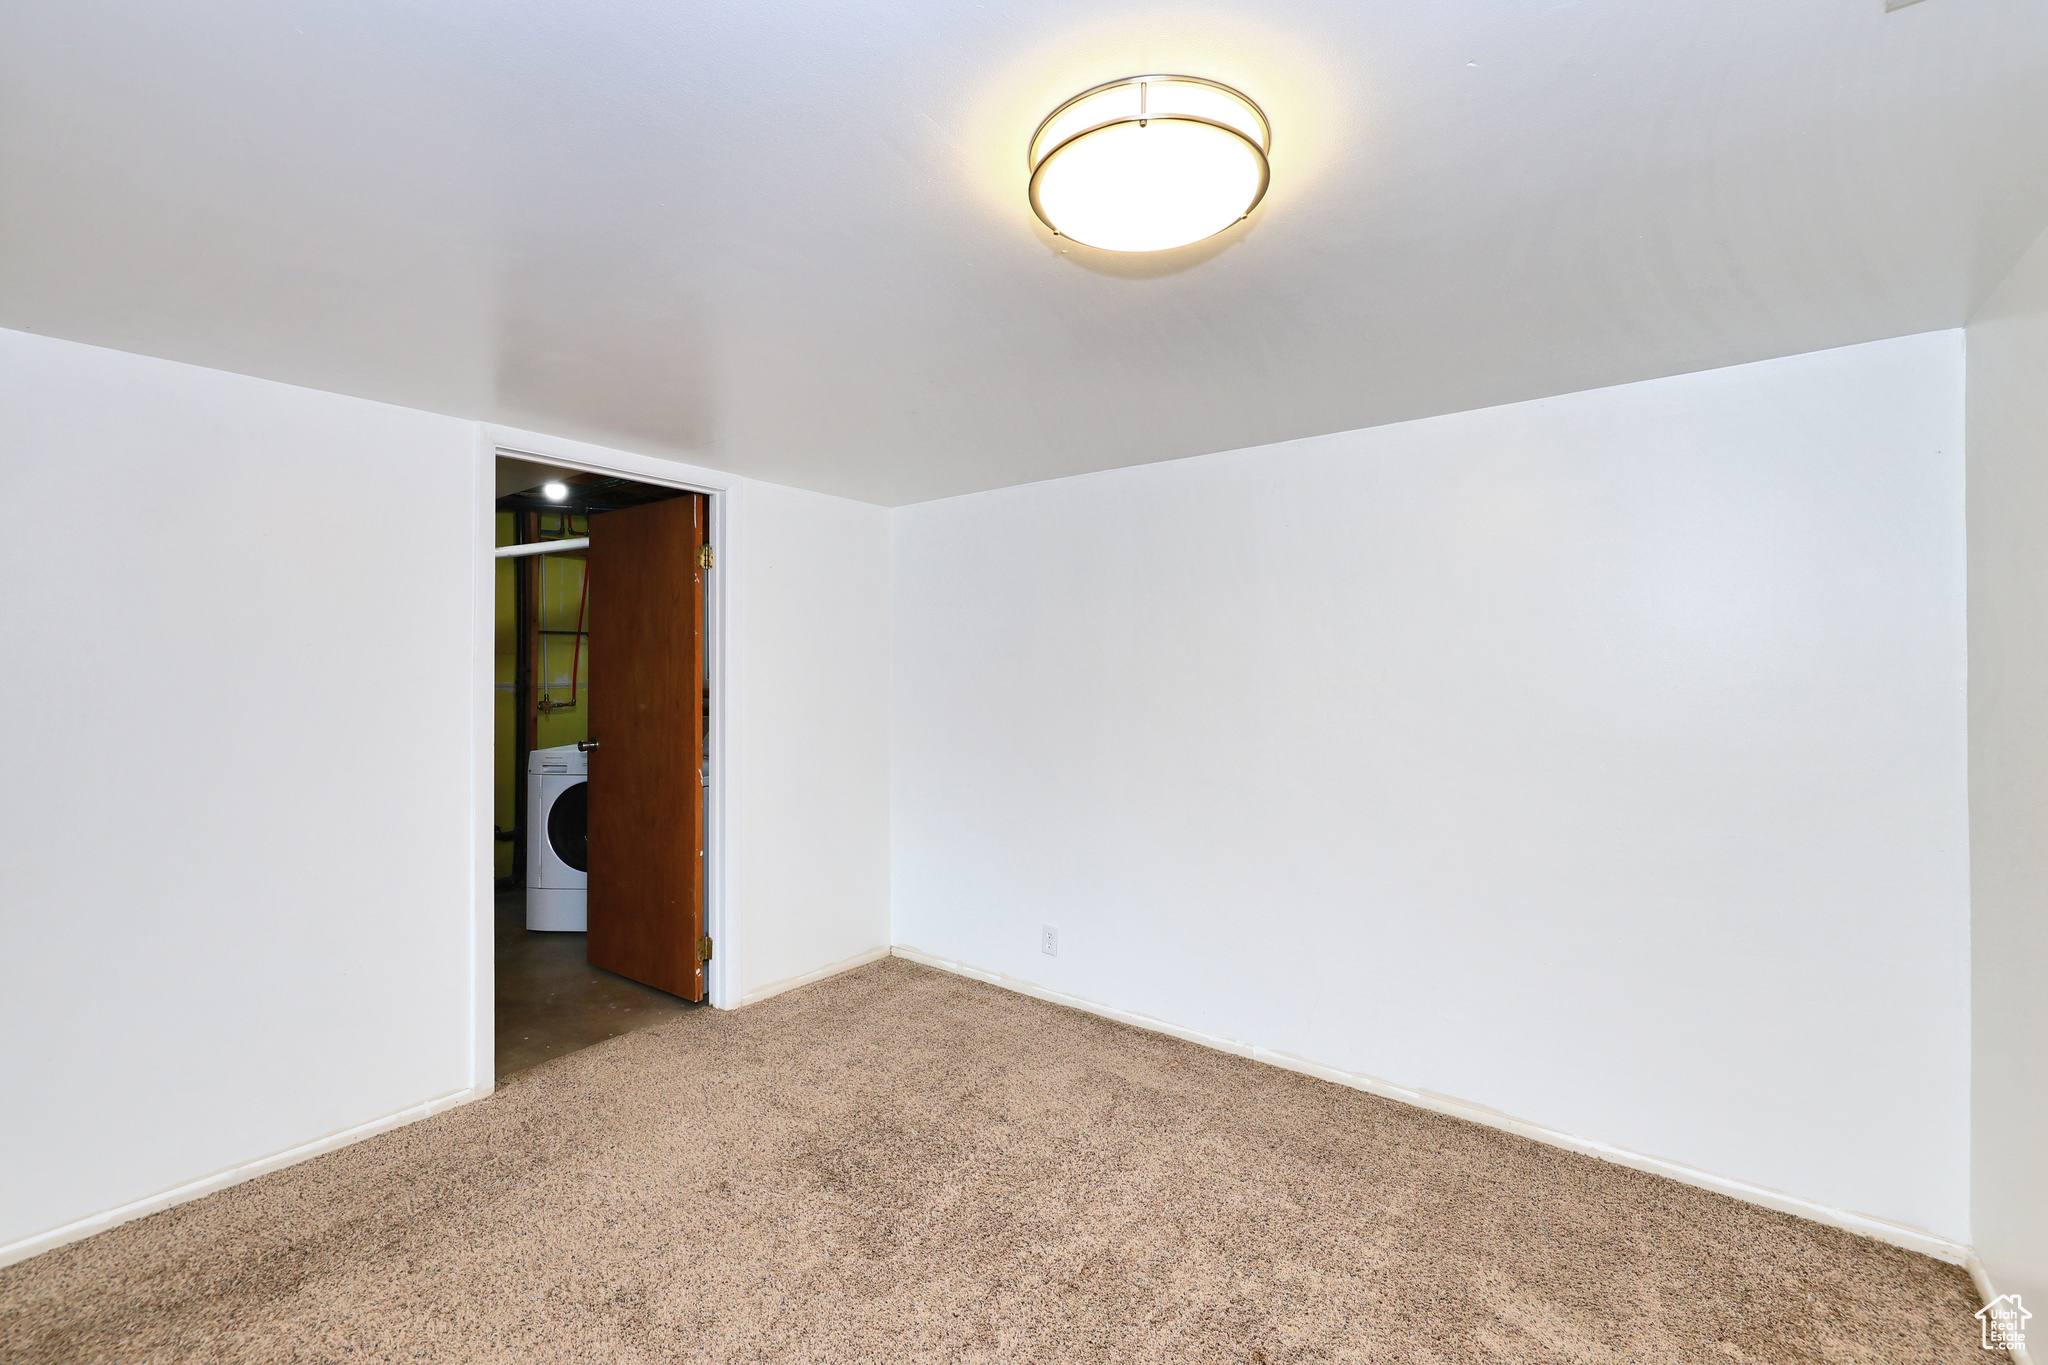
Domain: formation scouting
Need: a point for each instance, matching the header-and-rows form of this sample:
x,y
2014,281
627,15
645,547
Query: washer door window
x,y
569,826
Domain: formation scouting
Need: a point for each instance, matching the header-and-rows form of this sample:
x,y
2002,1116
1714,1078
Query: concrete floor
x,y
552,1002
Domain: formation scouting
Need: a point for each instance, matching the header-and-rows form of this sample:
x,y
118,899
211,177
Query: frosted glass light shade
x,y
1149,162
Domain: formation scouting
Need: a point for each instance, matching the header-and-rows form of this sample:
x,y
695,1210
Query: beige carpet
x,y
898,1165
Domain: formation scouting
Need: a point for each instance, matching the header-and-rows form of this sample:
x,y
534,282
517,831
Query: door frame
x,y
720,647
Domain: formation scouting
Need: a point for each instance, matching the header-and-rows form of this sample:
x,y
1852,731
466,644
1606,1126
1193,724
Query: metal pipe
x,y
540,547
522,701
543,679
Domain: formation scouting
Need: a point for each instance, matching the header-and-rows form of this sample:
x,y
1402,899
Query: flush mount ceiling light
x,y
1149,162
554,492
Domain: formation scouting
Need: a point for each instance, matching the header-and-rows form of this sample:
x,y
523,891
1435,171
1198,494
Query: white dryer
x,y
557,836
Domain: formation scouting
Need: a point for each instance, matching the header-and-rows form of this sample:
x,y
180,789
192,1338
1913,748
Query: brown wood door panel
x,y
646,892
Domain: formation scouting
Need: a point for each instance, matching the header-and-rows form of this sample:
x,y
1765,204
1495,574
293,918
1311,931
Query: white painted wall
x,y
236,830
1599,759
238,843
2008,512
814,733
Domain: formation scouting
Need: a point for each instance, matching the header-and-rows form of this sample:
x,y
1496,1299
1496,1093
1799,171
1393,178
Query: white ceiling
x,y
792,240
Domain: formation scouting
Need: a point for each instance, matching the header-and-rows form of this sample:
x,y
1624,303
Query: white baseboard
x,y
790,983
1898,1234
2021,1355
234,1175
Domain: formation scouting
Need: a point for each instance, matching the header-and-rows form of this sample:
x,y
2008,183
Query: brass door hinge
x,y
704,556
703,950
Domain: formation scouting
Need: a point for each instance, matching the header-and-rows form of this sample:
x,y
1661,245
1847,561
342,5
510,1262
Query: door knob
x,y
585,745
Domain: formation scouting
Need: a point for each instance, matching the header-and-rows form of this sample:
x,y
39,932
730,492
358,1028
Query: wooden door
x,y
646,720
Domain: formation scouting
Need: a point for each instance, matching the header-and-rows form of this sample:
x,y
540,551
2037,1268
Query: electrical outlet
x,y
1048,940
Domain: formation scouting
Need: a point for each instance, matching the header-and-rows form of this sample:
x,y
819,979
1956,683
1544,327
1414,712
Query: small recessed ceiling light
x,y
1149,162
554,492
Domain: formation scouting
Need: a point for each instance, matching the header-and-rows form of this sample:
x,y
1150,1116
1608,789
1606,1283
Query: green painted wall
x,y
561,587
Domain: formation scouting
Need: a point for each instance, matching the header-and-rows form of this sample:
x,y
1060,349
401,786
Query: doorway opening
x,y
600,758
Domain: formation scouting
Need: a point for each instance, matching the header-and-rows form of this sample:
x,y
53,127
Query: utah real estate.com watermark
x,y
2005,1323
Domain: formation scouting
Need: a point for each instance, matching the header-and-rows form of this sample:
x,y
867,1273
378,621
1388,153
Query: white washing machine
x,y
557,825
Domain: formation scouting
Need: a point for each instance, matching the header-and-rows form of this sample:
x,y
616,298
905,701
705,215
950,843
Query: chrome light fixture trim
x,y
1252,129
